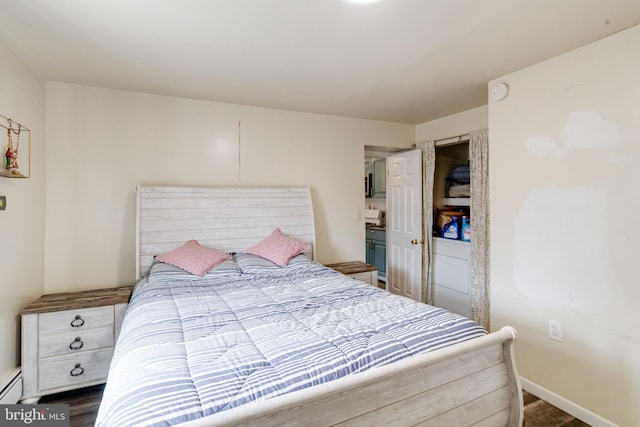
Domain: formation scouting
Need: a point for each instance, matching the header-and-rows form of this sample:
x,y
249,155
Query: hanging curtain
x,y
428,171
479,170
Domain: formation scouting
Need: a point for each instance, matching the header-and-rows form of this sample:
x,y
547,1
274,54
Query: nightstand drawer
x,y
74,369
69,342
75,320
358,270
365,277
68,339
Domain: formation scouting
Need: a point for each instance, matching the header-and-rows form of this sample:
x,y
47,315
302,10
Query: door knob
x,y
414,242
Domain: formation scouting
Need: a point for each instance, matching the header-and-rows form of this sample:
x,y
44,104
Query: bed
x,y
254,343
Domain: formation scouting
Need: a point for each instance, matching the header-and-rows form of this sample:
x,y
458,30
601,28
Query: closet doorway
x,y
451,254
477,303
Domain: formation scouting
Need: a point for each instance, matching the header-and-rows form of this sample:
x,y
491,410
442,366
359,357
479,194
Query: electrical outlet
x,y
555,330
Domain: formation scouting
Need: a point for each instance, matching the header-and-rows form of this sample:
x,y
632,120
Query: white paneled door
x,y
404,224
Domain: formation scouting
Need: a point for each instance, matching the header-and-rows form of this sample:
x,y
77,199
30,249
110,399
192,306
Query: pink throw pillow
x,y
278,248
194,258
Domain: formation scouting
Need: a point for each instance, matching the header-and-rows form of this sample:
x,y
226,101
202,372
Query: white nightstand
x,y
358,270
68,339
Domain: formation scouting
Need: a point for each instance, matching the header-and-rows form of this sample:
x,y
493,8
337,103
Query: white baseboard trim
x,y
11,388
566,405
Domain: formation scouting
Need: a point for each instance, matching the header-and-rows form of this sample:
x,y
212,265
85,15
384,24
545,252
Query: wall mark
x,y
562,254
583,130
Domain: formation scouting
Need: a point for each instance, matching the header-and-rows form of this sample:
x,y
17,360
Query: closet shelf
x,y
456,201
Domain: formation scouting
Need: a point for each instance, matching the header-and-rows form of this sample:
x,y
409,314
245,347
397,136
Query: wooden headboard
x,y
229,219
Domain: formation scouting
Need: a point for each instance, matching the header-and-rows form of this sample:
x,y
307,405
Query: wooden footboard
x,y
472,383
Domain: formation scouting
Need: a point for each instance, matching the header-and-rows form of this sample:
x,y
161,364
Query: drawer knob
x,y
77,371
77,322
77,344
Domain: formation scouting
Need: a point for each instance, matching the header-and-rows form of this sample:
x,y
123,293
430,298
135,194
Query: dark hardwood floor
x,y
84,403
538,413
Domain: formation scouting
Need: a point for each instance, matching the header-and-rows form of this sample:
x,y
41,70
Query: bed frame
x,y
230,219
471,383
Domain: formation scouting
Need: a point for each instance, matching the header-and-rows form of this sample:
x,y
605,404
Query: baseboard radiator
x,y
11,388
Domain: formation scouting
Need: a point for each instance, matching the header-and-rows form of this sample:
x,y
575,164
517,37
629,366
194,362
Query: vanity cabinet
x,y
376,251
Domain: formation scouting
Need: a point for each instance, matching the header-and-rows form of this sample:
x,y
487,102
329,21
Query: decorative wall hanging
x,y
16,159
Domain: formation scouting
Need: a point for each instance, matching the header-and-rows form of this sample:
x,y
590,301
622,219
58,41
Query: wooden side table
x,y
68,340
358,270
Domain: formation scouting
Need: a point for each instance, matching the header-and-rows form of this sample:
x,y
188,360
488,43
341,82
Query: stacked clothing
x,y
459,182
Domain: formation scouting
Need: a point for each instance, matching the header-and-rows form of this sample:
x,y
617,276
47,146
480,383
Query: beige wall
x,y
454,125
565,180
102,143
22,223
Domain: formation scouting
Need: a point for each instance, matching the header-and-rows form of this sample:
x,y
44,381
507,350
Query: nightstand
x,y
358,270
68,339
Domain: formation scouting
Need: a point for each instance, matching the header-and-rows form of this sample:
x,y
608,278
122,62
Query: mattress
x,y
194,346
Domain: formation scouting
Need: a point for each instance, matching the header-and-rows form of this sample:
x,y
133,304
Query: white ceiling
x,y
407,61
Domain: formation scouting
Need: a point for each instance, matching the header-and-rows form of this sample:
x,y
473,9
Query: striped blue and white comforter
x,y
193,346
